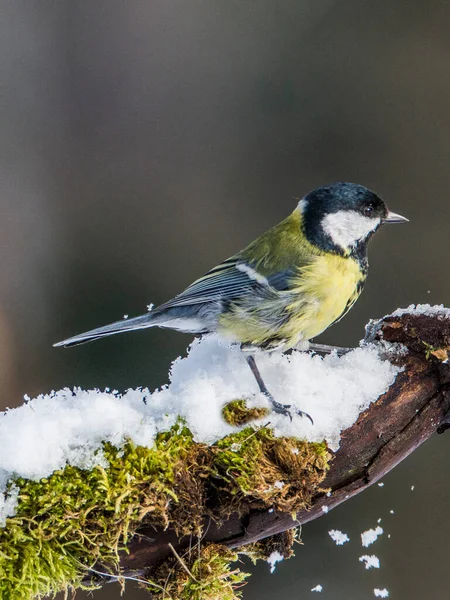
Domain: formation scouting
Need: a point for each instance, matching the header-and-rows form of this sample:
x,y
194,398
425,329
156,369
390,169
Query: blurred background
x,y
142,142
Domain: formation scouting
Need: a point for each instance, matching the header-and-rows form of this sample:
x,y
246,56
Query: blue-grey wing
x,y
280,280
230,280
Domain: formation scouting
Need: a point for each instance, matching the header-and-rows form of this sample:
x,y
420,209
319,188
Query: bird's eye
x,y
368,210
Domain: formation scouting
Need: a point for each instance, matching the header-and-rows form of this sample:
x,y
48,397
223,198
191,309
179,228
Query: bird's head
x,y
342,217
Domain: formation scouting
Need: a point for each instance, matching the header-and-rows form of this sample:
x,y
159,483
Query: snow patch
x,y
8,504
69,426
369,537
338,537
438,310
370,561
273,559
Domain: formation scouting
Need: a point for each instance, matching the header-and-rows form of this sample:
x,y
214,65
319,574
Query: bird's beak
x,y
393,217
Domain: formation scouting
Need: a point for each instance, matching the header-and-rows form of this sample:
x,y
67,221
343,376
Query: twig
x,y
182,563
119,578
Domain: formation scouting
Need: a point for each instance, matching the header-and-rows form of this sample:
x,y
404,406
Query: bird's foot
x,y
281,409
284,409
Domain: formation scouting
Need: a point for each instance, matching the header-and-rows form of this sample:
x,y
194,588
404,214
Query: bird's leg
x,y
324,349
282,409
259,380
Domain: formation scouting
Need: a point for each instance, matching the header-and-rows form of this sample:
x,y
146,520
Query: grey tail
x,y
141,322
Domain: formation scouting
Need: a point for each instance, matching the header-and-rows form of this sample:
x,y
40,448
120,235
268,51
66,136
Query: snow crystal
x,y
8,504
368,537
370,561
325,509
273,559
318,588
423,309
381,484
69,426
412,488
381,593
338,537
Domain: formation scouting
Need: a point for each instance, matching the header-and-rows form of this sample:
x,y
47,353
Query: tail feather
x,y
141,322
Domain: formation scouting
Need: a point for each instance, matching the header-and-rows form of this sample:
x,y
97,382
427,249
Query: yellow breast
x,y
323,291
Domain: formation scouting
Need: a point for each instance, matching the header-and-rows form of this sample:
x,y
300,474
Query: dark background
x,y
144,141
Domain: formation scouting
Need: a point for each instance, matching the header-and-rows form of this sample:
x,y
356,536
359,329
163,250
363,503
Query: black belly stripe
x,y
351,301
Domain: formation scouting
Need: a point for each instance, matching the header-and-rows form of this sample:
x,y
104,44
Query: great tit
x,y
286,287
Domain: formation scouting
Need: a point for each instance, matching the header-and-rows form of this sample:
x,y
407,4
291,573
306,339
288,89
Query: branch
x,y
100,486
395,425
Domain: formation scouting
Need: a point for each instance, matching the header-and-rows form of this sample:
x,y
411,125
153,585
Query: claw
x,y
283,409
302,413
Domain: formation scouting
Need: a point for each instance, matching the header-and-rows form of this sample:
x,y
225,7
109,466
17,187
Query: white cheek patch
x,y
347,227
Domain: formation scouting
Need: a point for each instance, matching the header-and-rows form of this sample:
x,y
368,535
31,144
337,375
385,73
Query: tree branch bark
x,y
387,432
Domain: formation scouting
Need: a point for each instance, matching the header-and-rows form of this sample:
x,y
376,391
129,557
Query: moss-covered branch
x,y
77,523
175,515
412,410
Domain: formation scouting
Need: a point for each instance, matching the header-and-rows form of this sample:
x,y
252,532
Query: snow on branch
x,y
108,485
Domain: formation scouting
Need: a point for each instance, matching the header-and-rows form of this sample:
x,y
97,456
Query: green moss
x,y
255,469
77,519
198,575
439,353
207,574
281,543
237,413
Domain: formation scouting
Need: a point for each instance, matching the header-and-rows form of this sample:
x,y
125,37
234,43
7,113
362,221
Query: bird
x,y
282,290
